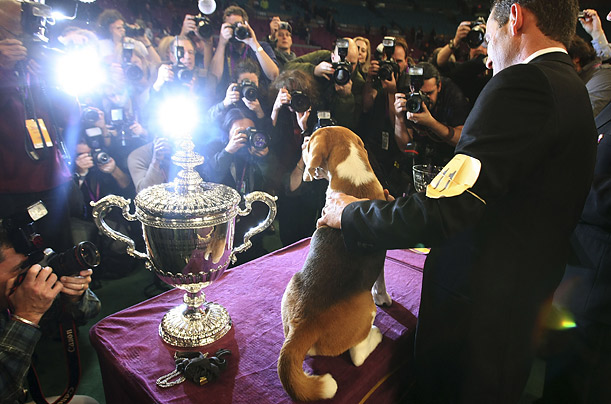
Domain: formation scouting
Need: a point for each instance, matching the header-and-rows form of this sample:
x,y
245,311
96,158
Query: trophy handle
x,y
271,215
101,208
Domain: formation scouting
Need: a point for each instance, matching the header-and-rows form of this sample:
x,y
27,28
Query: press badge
x,y
38,133
385,140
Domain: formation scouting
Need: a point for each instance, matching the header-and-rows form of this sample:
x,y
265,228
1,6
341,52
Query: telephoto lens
x,y
82,256
240,32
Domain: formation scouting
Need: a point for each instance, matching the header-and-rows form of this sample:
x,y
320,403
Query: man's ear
x,y
516,18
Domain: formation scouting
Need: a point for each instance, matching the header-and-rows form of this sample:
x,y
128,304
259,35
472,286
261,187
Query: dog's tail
x,y
299,385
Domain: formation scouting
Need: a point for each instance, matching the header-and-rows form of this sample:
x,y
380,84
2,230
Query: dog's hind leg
x,y
380,295
363,349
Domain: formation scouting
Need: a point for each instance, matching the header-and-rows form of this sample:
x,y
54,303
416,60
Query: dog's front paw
x,y
381,298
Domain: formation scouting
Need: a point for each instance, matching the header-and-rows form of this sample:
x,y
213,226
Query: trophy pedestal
x,y
184,327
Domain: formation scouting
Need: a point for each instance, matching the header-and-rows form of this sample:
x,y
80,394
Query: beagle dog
x,y
327,307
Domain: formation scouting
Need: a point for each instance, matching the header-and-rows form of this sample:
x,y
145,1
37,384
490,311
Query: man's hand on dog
x,y
334,207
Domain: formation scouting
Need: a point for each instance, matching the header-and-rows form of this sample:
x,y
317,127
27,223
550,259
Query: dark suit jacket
x,y
493,266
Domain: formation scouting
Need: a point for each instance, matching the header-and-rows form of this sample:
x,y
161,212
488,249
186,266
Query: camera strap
x,y
68,331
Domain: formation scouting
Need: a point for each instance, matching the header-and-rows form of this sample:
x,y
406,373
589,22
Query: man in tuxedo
x,y
498,218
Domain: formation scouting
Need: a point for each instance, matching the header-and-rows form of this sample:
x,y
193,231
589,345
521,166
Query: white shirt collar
x,y
543,52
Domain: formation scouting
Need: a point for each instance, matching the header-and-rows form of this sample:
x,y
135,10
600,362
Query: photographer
x,y
437,125
343,99
244,93
240,160
237,42
22,309
295,116
391,166
199,30
470,75
284,41
31,169
112,30
592,25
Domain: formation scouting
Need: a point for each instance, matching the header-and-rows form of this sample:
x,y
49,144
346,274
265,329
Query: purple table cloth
x,y
132,355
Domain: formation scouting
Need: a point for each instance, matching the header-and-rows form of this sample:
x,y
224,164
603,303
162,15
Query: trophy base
x,y
186,329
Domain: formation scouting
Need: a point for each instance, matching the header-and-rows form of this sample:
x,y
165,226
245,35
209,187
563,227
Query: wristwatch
x,y
451,44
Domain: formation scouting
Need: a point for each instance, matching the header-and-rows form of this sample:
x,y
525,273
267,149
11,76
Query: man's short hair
x,y
247,66
429,71
235,10
556,19
581,49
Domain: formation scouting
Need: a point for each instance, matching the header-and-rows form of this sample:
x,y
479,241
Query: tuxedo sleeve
x,y
507,131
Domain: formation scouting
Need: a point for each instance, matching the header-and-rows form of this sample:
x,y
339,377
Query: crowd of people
x,y
256,104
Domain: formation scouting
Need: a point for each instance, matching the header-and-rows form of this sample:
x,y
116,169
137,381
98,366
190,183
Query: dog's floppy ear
x,y
315,154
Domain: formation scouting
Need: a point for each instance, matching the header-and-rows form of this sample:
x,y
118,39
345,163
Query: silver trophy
x,y
188,227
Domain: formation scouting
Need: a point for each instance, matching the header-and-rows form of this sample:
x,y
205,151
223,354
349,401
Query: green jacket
x,y
345,110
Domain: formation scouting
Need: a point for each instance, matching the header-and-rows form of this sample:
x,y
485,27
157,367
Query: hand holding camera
x,y
590,21
162,149
11,52
34,296
324,69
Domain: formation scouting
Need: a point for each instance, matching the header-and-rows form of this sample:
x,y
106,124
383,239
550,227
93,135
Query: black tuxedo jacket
x,y
493,265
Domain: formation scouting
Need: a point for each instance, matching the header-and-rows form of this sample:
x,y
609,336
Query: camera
x,y
240,31
181,73
257,139
416,98
299,101
134,30
581,15
132,72
285,25
388,67
24,236
121,125
476,36
204,26
247,89
93,136
343,69
324,119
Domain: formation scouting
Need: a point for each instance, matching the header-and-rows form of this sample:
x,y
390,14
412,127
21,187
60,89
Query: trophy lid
x,y
205,204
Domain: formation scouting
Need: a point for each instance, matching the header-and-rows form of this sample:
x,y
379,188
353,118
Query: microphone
x,y
206,6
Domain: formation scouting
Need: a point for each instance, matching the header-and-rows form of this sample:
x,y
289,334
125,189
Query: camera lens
x,y
475,37
90,116
82,256
184,75
341,76
205,30
414,103
258,140
241,32
133,73
100,157
299,101
250,93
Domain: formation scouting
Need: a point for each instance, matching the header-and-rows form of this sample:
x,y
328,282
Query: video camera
x,y
240,31
247,89
299,101
416,97
24,236
343,68
476,36
132,72
204,26
257,139
388,66
93,136
181,73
